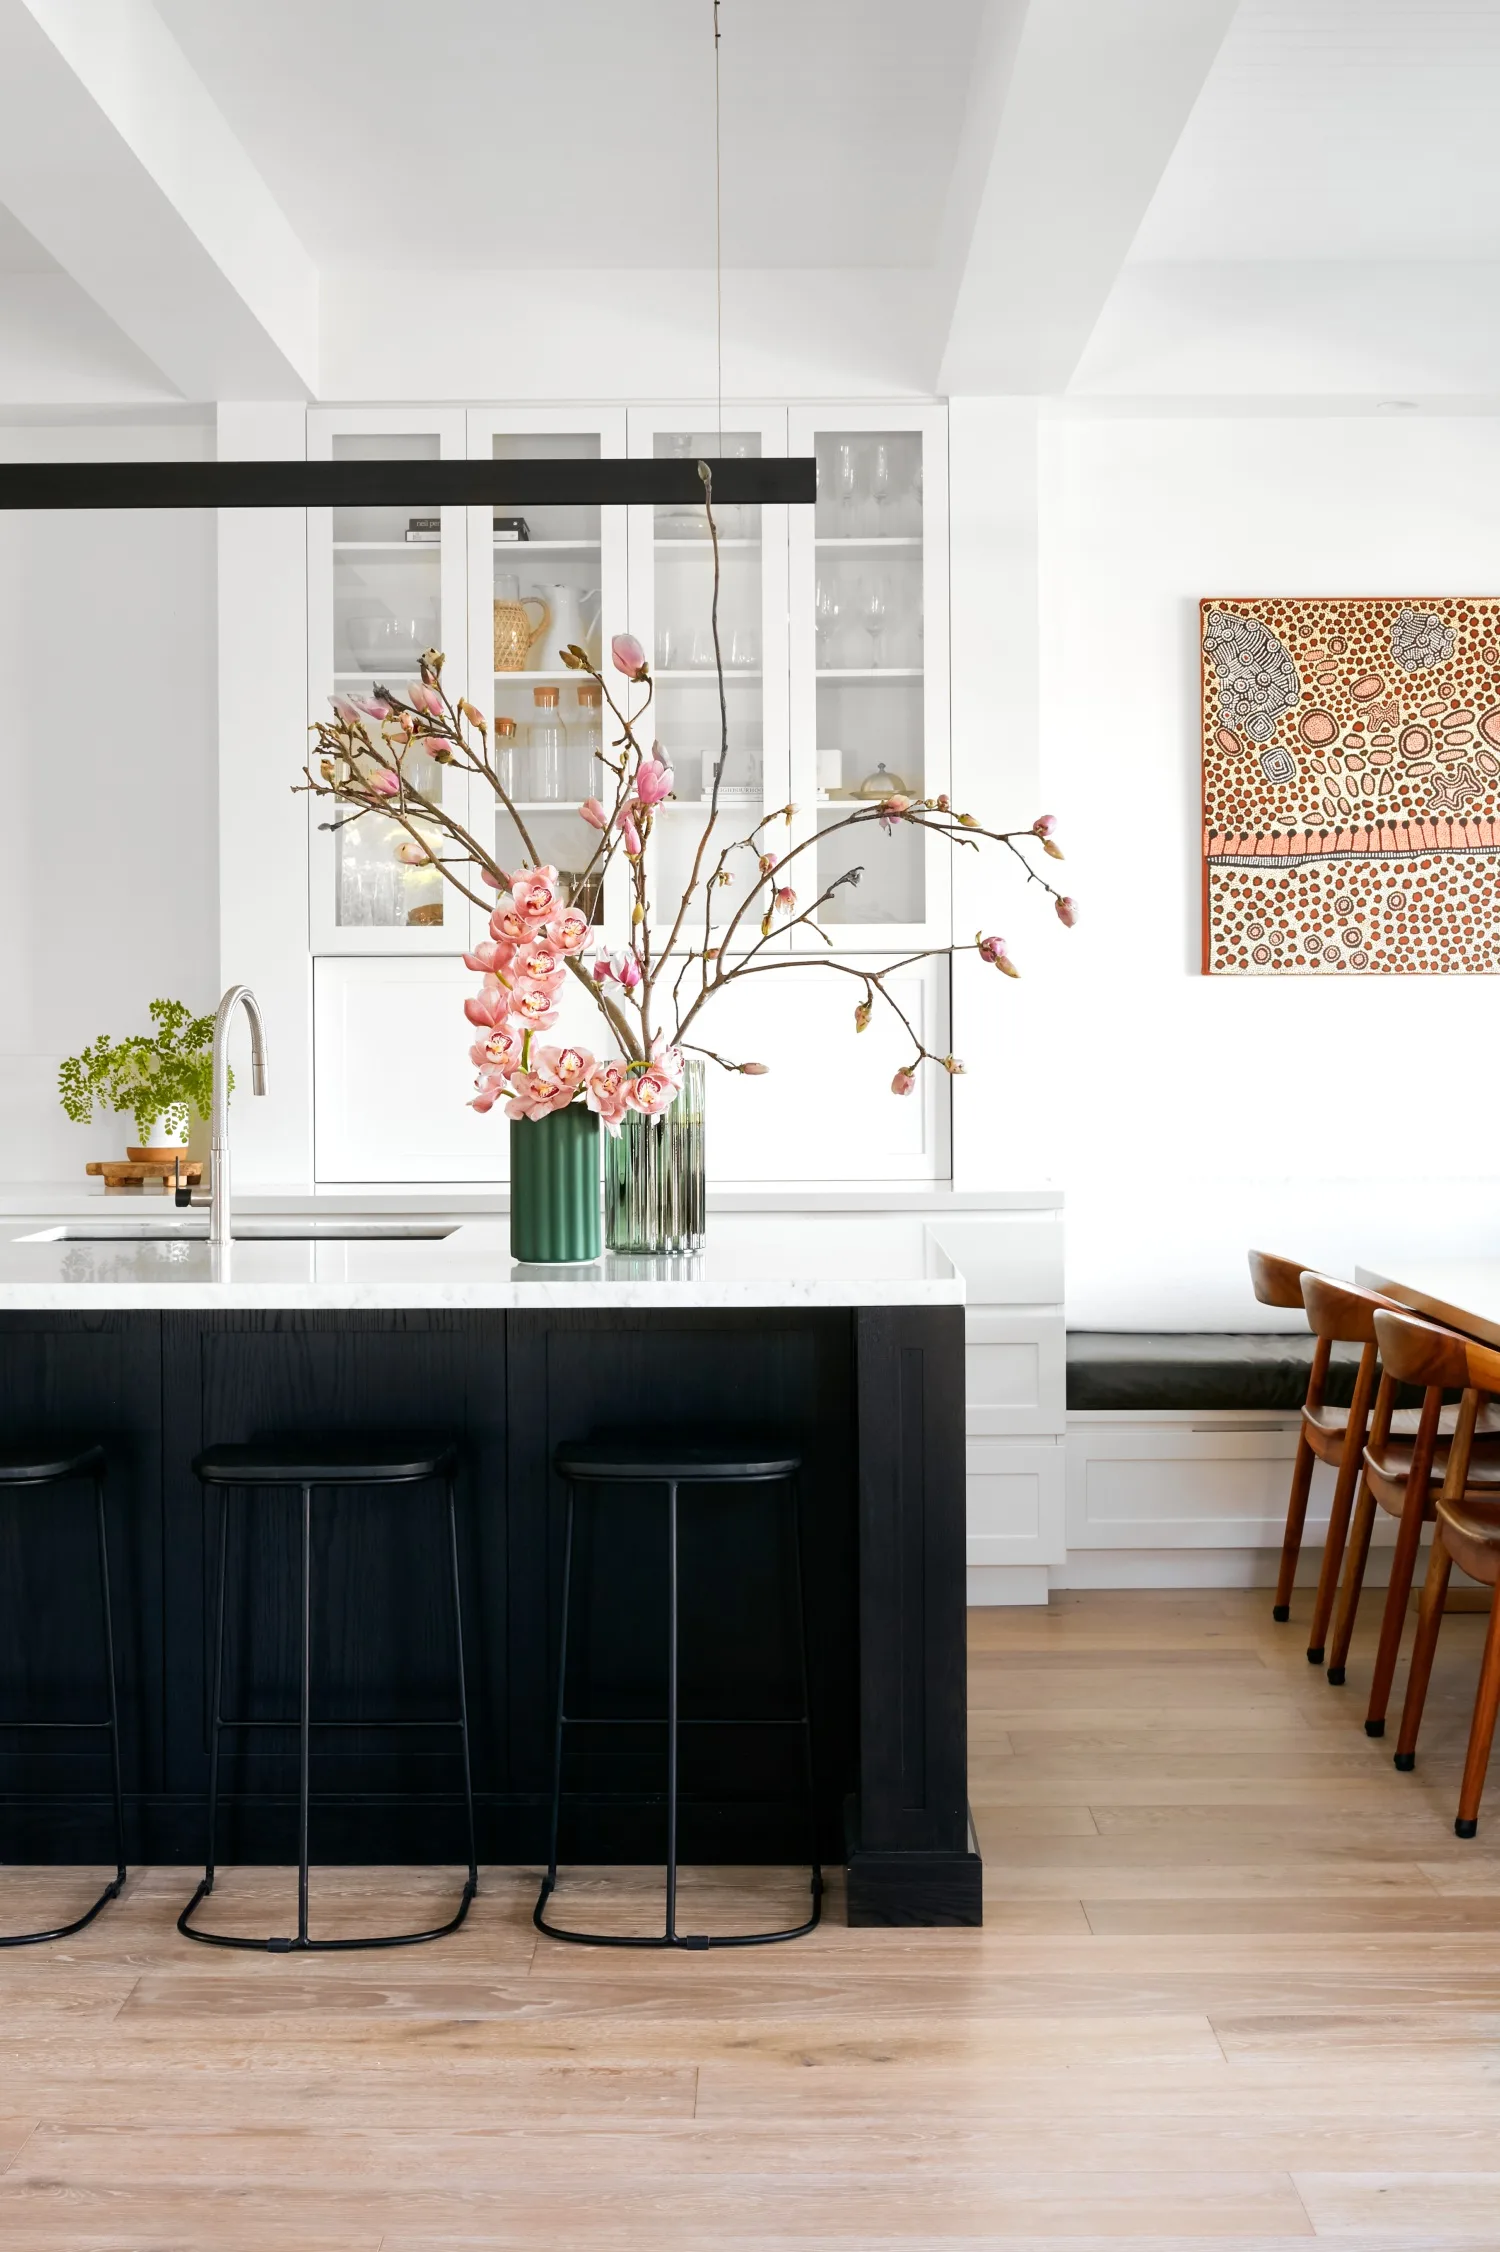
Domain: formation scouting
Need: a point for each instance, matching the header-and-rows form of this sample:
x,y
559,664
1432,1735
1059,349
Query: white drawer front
x,y
1015,1502
1174,1485
1014,1374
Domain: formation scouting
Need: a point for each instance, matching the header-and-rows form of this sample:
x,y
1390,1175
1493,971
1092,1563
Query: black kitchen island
x,y
851,1354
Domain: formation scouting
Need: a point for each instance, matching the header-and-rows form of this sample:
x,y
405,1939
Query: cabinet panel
x,y
1015,1502
1016,1372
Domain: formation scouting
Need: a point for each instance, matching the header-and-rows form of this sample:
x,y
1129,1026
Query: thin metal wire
x,y
718,237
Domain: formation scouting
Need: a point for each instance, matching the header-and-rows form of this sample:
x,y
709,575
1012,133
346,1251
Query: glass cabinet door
x,y
385,584
870,663
672,614
540,579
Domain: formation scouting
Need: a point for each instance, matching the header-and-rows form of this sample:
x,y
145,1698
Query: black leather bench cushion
x,y
1136,1370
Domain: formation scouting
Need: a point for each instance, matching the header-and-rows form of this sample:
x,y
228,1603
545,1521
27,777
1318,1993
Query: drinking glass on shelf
x,y
880,483
872,614
744,647
701,652
846,483
825,618
668,649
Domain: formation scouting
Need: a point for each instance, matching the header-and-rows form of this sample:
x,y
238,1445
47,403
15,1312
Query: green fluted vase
x,y
554,1187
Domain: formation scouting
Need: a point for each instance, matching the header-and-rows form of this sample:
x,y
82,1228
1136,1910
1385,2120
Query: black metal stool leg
x,y
107,1610
109,1727
671,1930
549,1881
215,1730
463,1695
304,1743
806,1687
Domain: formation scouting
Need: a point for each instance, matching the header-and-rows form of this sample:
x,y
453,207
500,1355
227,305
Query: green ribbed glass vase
x,y
554,1187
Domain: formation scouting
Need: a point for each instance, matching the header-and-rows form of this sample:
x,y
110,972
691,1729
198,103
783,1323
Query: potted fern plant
x,y
159,1078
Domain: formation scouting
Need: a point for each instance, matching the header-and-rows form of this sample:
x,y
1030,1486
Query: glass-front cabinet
x,y
672,614
832,624
384,584
869,669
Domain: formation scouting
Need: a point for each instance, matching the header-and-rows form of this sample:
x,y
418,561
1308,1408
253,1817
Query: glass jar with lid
x,y
509,759
586,745
546,747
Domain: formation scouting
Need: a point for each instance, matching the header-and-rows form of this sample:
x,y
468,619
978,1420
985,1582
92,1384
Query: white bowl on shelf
x,y
375,642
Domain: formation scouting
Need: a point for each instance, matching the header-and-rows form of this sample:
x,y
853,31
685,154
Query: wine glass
x,y
872,615
846,478
826,619
880,483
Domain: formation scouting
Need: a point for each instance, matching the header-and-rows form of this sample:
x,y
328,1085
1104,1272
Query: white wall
x,y
1187,1116
108,895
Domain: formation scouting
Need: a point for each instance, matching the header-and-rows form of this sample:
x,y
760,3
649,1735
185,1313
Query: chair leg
x,y
107,1611
1397,1601
1424,1649
1356,1555
1481,1734
806,1691
1333,1550
215,1729
472,1887
1296,1517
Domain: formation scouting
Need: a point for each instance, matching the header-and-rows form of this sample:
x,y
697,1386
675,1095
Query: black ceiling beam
x,y
402,484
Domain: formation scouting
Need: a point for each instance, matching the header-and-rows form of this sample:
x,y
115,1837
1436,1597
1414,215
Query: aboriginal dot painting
x,y
1351,786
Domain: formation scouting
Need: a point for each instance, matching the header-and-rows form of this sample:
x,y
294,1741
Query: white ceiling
x,y
1340,131
579,133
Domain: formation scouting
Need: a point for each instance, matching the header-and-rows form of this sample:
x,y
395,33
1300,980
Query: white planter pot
x,y
159,1135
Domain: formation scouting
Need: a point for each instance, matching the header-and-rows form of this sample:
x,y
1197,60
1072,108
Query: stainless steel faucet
x,y
219,1228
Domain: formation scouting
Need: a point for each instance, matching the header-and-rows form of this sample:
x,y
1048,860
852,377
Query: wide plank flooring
x,y
1239,1985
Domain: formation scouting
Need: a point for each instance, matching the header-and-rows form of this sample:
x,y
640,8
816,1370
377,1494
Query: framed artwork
x,y
1351,785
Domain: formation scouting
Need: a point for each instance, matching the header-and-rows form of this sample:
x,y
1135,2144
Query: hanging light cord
x,y
718,238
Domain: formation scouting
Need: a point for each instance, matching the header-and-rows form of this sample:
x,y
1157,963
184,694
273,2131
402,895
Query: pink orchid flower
x,y
1044,824
628,656
653,780
500,1052
537,1095
484,957
536,893
533,1003
903,1082
594,814
570,1067
384,783
651,1091
489,1007
542,962
1066,911
670,1062
508,923
569,931
487,1096
605,1094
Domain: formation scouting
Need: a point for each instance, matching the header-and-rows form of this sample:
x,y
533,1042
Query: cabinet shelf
x,y
386,547
539,679
545,547
851,540
707,673
691,545
869,672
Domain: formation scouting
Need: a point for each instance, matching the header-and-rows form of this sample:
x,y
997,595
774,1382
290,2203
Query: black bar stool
x,y
47,1464
598,1468
309,1466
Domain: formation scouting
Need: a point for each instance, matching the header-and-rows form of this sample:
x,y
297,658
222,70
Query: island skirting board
x,y
871,1398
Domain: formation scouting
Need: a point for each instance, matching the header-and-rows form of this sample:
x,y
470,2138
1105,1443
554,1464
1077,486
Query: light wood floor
x,y
1239,1984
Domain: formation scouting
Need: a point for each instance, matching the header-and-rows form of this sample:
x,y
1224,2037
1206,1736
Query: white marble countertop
x,y
479,1200
836,1260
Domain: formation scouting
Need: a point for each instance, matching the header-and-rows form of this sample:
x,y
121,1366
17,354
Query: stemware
x,y
846,483
826,619
880,483
872,612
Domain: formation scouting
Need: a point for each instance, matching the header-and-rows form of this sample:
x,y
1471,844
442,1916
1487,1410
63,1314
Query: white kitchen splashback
x,y
393,1079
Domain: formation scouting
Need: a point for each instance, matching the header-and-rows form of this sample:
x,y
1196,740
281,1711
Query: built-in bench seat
x,y
1138,1371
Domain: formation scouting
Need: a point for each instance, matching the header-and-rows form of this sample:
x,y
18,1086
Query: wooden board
x,y
133,1173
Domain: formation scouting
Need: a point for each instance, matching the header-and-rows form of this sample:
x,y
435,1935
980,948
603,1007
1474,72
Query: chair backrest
x,y
1413,1351
1339,1311
1276,1281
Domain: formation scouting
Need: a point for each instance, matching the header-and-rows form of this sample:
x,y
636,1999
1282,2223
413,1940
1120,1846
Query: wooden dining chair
x,y
1326,1434
1467,1533
1403,1471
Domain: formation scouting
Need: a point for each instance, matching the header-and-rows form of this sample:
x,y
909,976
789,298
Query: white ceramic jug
x,y
574,617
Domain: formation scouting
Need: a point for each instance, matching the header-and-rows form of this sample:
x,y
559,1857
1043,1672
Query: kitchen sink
x,y
193,1228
